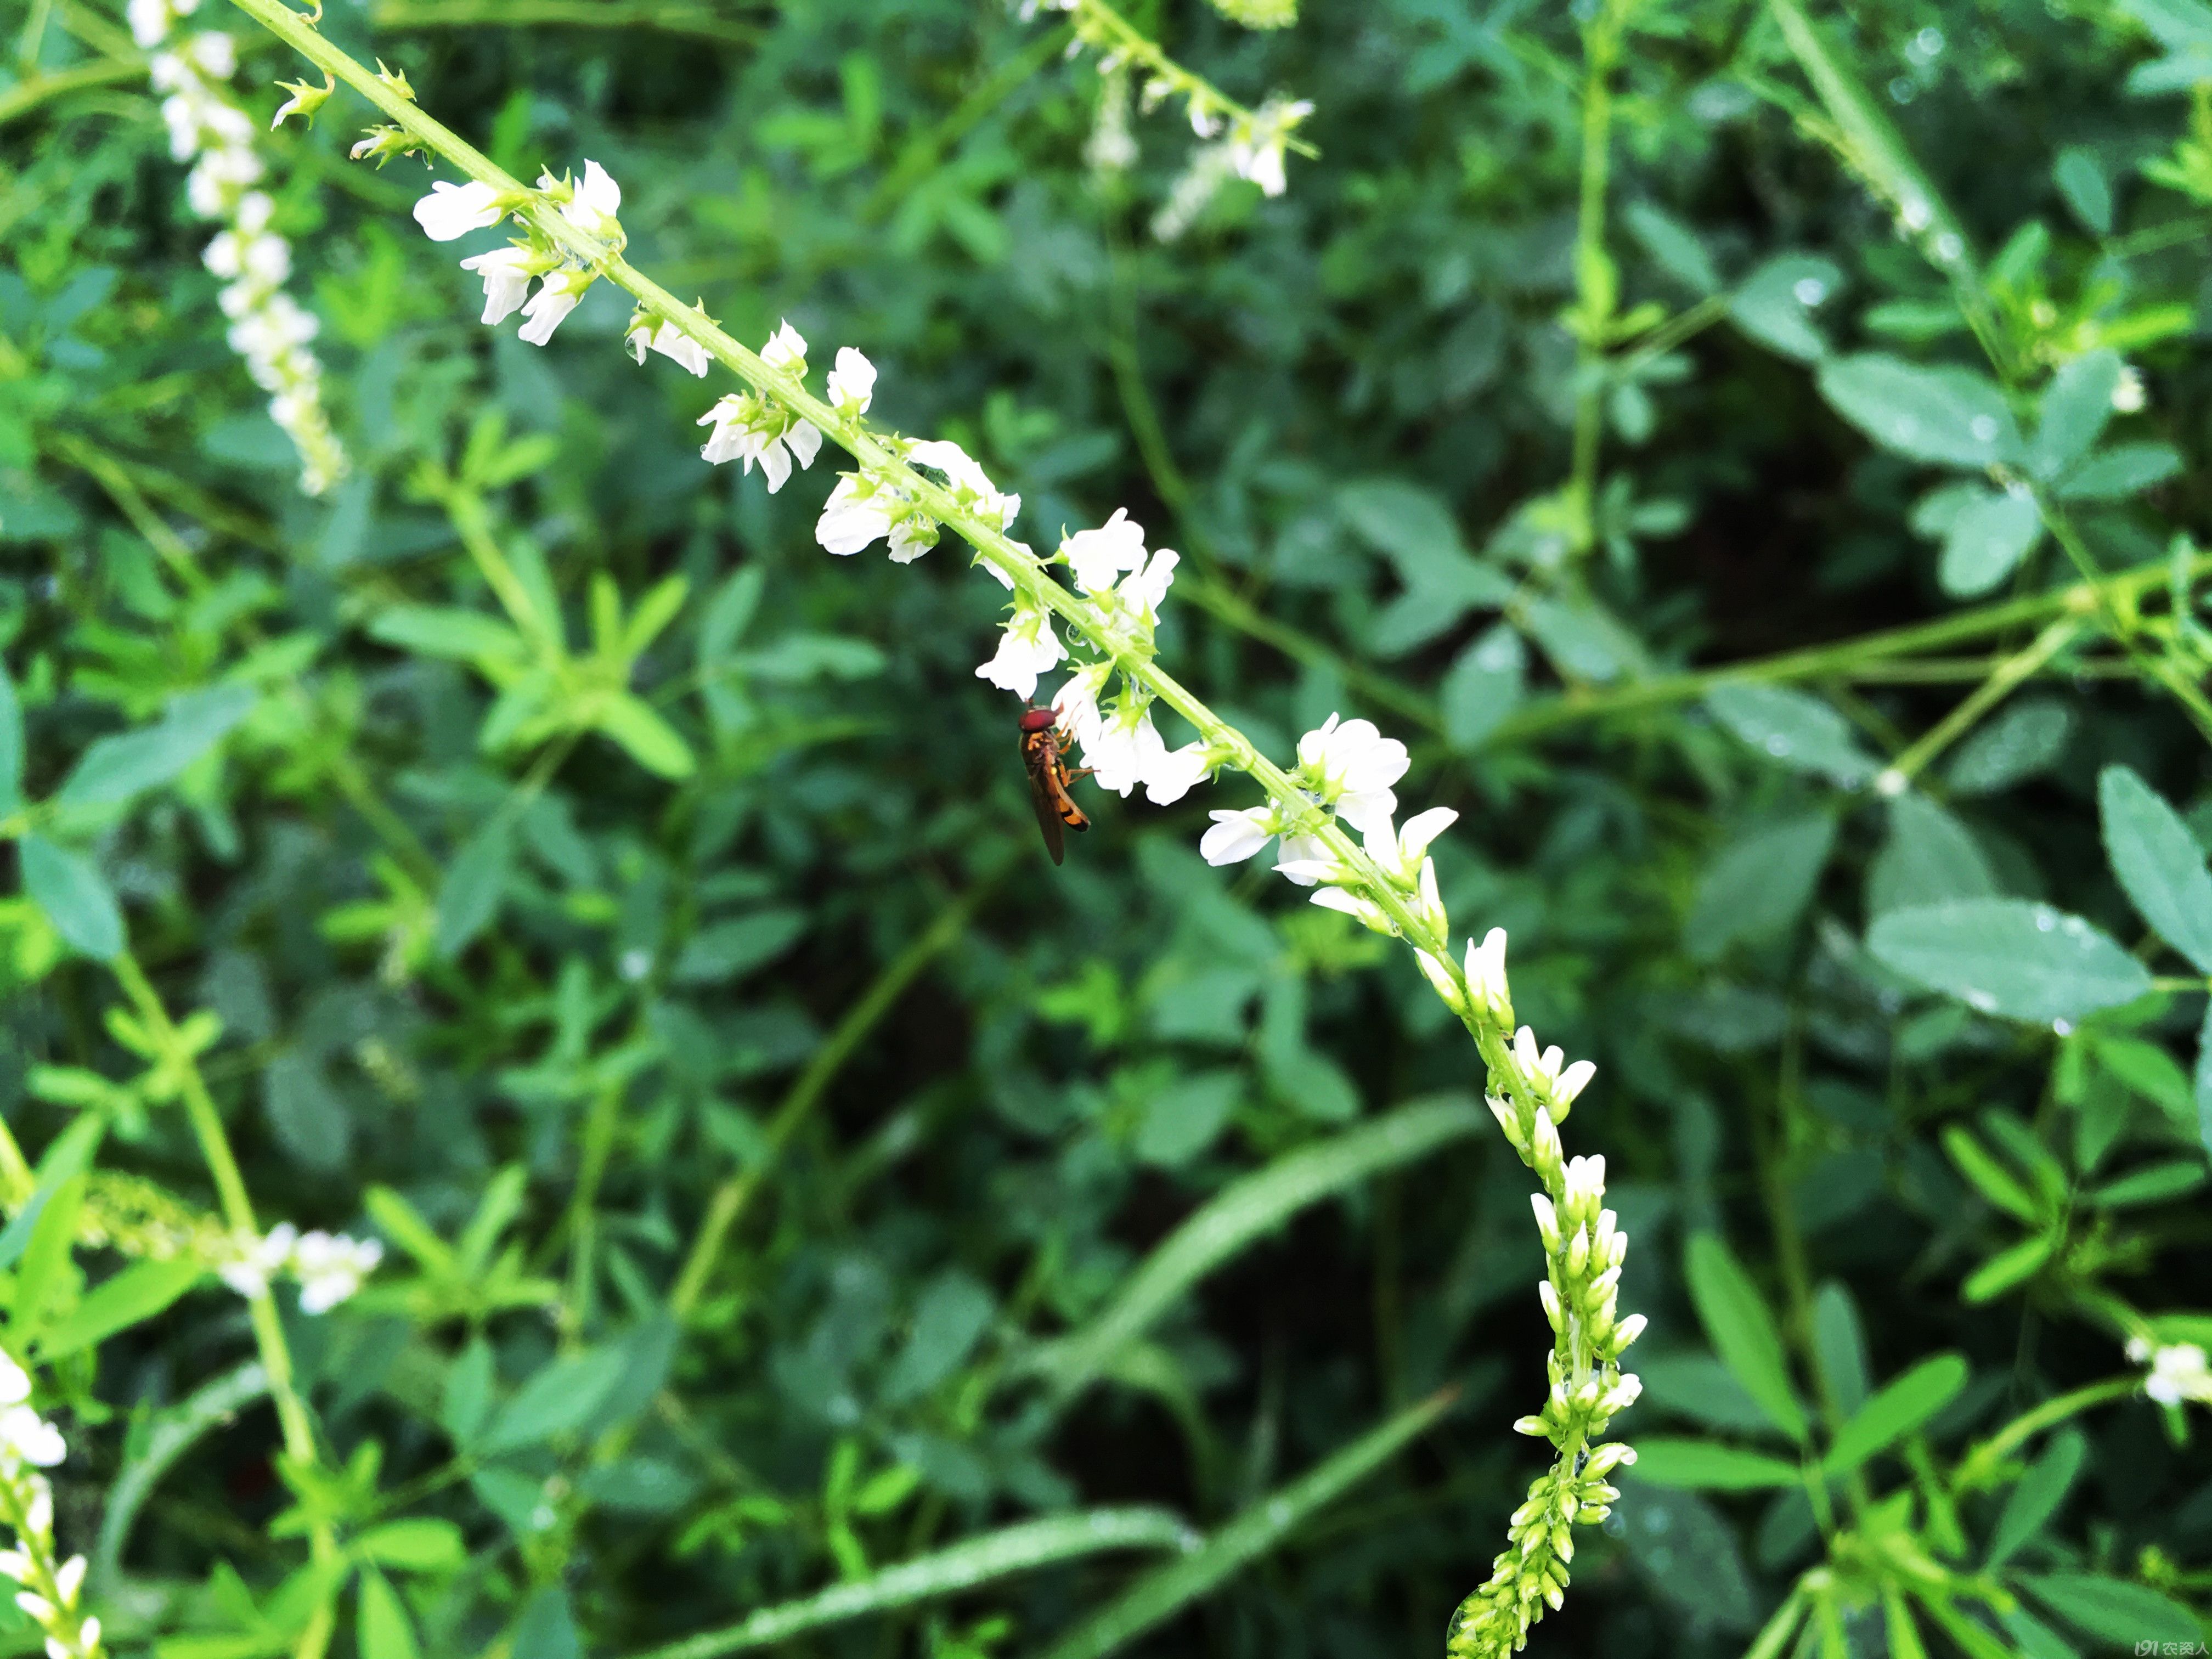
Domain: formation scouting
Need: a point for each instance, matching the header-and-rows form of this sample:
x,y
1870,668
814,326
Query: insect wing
x,y
1039,756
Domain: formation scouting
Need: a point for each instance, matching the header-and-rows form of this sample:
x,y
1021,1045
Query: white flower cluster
x,y
268,328
453,211
330,1266
748,427
2179,1371
51,1590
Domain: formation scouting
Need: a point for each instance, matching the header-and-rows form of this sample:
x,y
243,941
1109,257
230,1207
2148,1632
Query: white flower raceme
x,y
2179,1371
51,1588
852,383
205,127
1027,648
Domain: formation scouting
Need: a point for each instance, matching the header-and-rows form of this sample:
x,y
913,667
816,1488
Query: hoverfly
x,y
1049,776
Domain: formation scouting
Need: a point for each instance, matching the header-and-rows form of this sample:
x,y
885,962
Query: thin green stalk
x,y
1979,1466
731,1198
1596,281
293,1420
922,154
2001,683
27,96
668,16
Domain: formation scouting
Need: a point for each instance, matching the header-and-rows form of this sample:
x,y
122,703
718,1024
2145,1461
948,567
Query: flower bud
x,y
1629,1330
1548,1221
1440,976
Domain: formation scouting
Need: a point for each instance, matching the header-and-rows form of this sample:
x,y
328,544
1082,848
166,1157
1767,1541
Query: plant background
x,y
1337,404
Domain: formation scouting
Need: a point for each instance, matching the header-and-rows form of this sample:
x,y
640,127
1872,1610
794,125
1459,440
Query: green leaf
x,y
1793,729
2159,1184
1697,1386
1927,857
2009,1268
1986,540
138,1293
466,1405
2038,1496
1994,1182
1166,1591
1944,417
2202,1082
447,631
1896,1411
1243,1211
115,769
69,1154
2123,471
658,608
1411,525
1840,1348
1776,303
649,740
563,1396
2075,409
2025,738
948,1320
420,1544
385,1631
2158,862
2080,179
75,897
1483,685
728,616
548,1628
2112,1609
11,745
1183,1119
1758,885
1741,1330
470,895
1023,1547
47,1255
2008,957
1674,247
1699,1465
308,1117
727,948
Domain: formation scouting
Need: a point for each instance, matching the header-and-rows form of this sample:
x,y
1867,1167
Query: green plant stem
x,y
2001,683
27,96
731,1198
667,16
1098,24
1979,1466
292,1416
1595,282
923,153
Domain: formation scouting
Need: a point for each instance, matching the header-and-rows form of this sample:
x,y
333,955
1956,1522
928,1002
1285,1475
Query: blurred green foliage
x,y
786,1173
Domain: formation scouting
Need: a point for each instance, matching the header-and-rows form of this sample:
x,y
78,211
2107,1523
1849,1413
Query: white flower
x,y
1255,149
1076,702
1403,853
967,479
856,514
748,430
558,294
506,272
1307,860
150,20
785,349
26,1436
258,1260
1122,748
14,1381
1237,835
852,383
1351,766
331,1267
1485,972
669,342
590,206
2127,397
1177,772
451,210
16,1565
1147,587
1027,648
1097,557
2178,1372
68,1578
